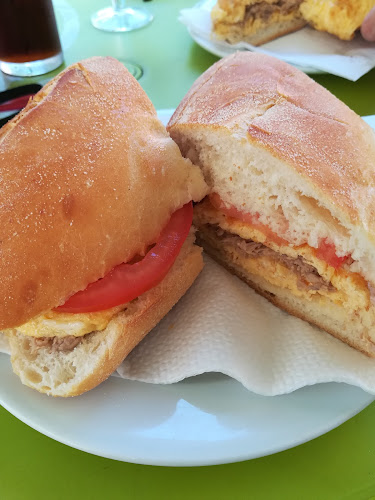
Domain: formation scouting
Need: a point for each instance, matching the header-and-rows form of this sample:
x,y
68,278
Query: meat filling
x,y
58,344
308,276
264,10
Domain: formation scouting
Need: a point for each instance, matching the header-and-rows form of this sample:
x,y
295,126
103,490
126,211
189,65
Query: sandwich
x,y
255,21
341,18
96,238
291,170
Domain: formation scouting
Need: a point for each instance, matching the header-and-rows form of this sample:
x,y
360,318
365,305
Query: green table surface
x,y
338,465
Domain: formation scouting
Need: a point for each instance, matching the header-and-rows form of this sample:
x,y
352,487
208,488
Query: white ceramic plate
x,y
205,420
222,49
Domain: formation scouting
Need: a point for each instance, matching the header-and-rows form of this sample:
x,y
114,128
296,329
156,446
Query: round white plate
x,y
222,49
205,420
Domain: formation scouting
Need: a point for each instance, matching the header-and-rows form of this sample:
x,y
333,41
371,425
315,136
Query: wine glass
x,y
120,18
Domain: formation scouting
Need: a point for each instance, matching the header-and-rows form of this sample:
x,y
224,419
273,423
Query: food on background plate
x,y
340,17
260,21
96,242
255,21
292,176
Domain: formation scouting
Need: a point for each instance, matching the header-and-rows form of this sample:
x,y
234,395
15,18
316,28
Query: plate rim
x,y
197,461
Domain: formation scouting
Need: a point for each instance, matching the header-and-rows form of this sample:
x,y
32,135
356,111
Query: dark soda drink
x,y
28,31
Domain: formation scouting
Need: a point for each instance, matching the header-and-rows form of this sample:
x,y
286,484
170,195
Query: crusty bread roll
x,y
89,177
255,21
89,180
293,172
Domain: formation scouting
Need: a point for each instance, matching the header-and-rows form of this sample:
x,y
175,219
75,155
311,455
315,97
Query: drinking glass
x,y
120,18
29,41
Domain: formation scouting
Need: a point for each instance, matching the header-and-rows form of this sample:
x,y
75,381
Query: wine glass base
x,y
127,19
134,69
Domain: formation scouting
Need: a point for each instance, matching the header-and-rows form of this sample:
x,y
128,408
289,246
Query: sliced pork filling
x,y
57,344
308,277
264,10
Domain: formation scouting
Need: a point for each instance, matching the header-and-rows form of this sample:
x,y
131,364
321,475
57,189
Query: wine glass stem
x,y
118,5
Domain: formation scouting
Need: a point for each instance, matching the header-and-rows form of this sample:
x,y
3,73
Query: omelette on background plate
x,y
260,21
338,17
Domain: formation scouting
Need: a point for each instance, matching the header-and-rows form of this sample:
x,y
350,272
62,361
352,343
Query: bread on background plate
x,y
255,21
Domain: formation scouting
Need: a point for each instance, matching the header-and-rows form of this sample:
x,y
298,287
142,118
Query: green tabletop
x,y
338,465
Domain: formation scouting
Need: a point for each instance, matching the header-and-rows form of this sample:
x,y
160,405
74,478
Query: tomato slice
x,y
250,219
127,281
327,252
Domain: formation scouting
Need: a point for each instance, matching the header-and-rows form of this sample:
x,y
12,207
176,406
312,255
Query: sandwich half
x,y
255,21
292,176
96,238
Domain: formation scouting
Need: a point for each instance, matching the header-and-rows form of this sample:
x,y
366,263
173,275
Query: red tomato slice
x,y
250,219
128,281
327,252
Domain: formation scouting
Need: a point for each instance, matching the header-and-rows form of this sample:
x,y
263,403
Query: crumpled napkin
x,y
308,49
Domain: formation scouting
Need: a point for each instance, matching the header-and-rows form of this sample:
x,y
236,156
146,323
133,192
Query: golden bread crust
x,y
89,177
272,105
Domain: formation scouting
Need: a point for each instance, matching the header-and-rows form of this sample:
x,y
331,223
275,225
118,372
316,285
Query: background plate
x,y
222,49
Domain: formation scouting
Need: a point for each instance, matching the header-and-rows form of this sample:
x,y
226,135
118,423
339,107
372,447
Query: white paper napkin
x,y
4,346
308,49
